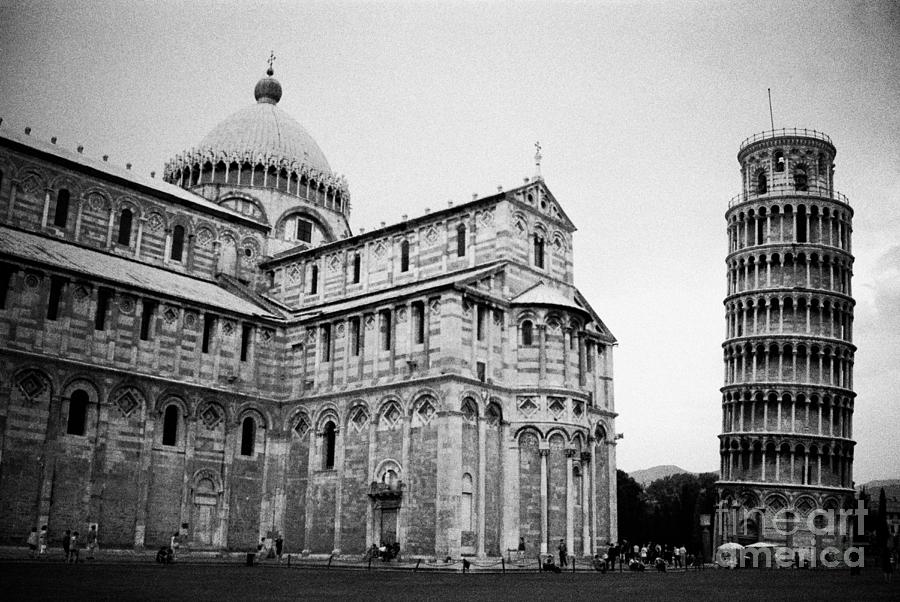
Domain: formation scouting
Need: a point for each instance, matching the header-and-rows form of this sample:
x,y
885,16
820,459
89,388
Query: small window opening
x,y
418,317
5,276
304,230
762,183
461,240
800,179
329,441
246,335
779,161
326,343
538,251
147,318
385,329
357,265
56,288
78,404
527,333
314,280
103,297
355,337
177,243
170,426
208,322
124,237
480,316
481,371
404,256
248,436
61,215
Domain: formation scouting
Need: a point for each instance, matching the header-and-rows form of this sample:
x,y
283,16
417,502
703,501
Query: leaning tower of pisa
x,y
787,402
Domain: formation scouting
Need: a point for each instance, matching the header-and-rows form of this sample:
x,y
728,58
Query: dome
x,y
264,130
264,136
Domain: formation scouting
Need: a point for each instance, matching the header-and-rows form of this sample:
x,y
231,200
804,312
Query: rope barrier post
x,y
370,564
573,564
289,560
539,563
503,562
330,558
418,562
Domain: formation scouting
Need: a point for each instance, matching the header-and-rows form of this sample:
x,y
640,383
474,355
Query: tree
x,y
632,508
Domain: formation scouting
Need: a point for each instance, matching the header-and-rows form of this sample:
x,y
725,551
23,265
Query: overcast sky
x,y
640,109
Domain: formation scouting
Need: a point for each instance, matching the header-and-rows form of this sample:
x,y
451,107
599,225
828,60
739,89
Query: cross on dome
x,y
271,70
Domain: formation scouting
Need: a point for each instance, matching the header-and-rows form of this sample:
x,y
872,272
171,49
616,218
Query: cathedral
x,y
213,352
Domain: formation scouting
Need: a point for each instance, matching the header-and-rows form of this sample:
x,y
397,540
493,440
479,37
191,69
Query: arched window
x,y
325,340
61,216
177,243
800,178
248,436
465,514
762,183
357,265
314,280
538,251
779,160
461,240
801,223
124,237
418,321
328,442
386,330
78,404
527,334
170,425
404,256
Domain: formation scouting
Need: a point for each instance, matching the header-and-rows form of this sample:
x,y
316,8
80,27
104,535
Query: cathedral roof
x,y
95,264
262,133
542,294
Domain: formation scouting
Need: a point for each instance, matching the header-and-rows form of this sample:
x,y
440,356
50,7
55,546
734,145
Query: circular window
x,y
248,251
543,205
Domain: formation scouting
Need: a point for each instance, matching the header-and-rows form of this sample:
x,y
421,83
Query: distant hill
x,y
646,476
874,486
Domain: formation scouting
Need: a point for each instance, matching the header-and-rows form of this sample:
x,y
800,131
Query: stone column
x,y
482,428
510,501
140,236
570,501
46,210
585,503
544,451
339,468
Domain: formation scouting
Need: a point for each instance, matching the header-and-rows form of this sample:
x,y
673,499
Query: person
x,y
174,544
599,563
66,542
644,555
549,566
42,542
372,552
520,556
612,554
383,551
260,548
279,547
92,541
74,546
887,565
32,542
563,553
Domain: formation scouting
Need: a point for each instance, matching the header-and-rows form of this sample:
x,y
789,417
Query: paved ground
x,y
50,580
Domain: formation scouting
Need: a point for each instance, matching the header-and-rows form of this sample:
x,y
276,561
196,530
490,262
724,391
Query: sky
x,y
640,109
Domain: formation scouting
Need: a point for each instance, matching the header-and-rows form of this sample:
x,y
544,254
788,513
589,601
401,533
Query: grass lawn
x,y
56,581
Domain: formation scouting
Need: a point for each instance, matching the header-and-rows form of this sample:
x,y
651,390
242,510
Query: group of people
x,y
638,557
72,543
384,551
